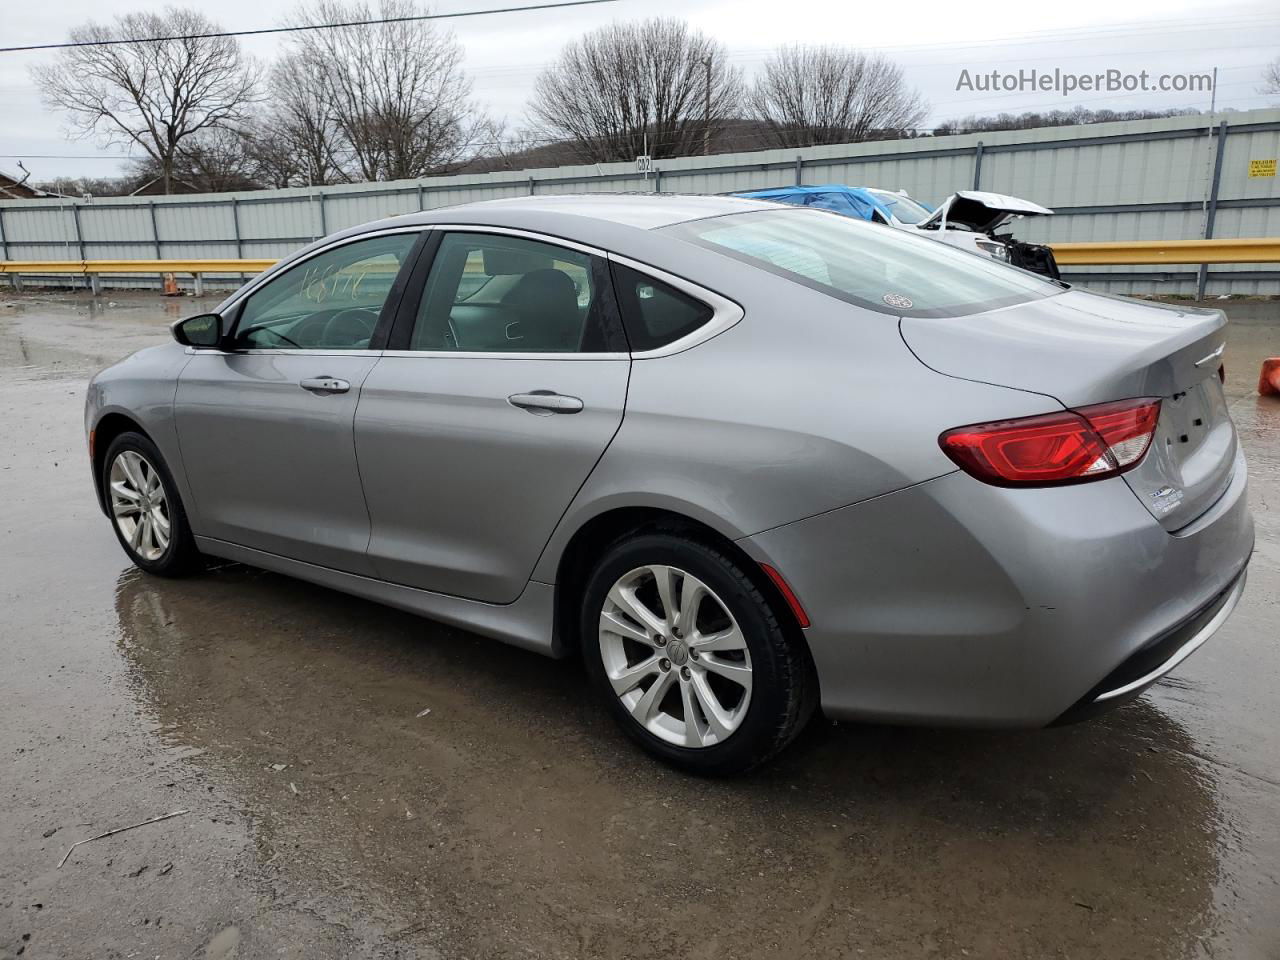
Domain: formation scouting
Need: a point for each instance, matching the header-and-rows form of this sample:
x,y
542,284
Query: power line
x,y
310,26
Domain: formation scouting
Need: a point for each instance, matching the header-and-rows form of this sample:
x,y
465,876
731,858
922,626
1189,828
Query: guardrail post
x,y
4,254
657,179
235,226
155,236
95,284
532,187
199,284
324,231
75,219
1202,278
799,170
977,165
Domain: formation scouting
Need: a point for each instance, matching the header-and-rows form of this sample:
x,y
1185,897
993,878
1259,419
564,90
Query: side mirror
x,y
203,332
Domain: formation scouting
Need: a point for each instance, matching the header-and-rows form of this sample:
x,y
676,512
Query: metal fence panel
x,y
1137,180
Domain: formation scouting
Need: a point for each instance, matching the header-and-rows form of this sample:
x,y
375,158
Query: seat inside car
x,y
524,303
547,303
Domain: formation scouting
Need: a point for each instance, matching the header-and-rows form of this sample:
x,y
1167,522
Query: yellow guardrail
x,y
1125,253
1106,253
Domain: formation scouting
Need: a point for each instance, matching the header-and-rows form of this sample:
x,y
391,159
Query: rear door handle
x,y
545,402
324,385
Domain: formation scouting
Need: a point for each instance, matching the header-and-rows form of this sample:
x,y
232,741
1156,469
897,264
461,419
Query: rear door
x,y
504,382
266,425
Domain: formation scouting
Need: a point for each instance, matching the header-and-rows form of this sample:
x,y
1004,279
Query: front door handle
x,y
545,402
324,385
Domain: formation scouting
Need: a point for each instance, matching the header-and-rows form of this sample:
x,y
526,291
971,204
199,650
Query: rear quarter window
x,y
654,313
889,271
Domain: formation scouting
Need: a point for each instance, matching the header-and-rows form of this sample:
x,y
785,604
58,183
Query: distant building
x,y
13,188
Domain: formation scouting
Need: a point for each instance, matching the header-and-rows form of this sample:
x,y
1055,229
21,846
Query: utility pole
x,y
706,109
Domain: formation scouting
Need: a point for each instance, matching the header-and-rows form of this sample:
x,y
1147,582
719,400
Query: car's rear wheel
x,y
690,656
146,512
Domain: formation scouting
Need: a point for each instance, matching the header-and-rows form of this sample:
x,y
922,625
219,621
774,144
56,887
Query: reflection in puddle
x,y
513,820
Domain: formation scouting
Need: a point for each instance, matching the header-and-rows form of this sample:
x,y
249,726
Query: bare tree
x,y
620,85
212,161
296,141
1271,77
812,95
152,95
396,92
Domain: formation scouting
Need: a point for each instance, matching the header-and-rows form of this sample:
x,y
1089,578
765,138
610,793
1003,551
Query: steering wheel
x,y
350,326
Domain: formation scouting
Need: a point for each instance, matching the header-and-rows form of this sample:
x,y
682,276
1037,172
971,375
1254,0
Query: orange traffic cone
x,y
171,286
1269,380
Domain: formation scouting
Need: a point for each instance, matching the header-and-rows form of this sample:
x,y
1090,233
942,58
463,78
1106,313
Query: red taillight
x,y
1074,446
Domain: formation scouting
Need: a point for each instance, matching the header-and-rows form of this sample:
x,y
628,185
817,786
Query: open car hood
x,y
981,211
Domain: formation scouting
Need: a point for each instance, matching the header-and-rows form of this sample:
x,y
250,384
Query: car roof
x,y
646,211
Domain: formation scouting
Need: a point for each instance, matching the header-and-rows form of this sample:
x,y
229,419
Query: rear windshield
x,y
891,271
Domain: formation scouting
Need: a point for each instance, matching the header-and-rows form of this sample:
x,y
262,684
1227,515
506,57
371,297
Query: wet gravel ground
x,y
328,816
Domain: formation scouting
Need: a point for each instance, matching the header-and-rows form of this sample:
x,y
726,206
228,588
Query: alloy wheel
x,y
675,656
139,505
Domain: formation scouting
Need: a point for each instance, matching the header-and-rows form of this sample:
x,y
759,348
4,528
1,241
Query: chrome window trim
x,y
476,355
285,352
547,238
724,312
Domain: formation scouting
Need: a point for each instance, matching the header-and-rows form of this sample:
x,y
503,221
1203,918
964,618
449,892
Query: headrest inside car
x,y
498,261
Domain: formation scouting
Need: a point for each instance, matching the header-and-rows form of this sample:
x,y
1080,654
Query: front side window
x,y
330,302
490,293
890,271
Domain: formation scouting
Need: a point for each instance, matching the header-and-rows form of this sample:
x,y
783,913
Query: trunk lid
x,y
980,211
1082,348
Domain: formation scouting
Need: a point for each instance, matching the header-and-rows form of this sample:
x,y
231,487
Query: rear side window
x,y
891,271
655,313
493,293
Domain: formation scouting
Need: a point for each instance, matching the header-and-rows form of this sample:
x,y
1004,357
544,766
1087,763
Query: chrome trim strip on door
x,y
1187,649
284,352
473,355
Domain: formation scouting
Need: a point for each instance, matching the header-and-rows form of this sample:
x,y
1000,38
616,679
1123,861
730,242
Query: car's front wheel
x,y
145,509
691,657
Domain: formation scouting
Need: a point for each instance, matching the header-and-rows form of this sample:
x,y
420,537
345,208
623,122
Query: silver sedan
x,y
749,461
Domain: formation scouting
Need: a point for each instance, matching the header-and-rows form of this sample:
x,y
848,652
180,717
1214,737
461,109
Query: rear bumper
x,y
954,602
1159,657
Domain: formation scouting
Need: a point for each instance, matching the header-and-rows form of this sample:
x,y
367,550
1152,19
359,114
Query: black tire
x,y
783,689
180,557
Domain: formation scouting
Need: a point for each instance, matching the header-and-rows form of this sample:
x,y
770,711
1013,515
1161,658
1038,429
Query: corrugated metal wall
x,y
1137,180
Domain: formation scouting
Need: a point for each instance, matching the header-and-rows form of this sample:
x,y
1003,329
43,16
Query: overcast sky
x,y
933,40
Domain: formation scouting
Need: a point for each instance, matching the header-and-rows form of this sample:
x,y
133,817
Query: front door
x,y
473,440
266,426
